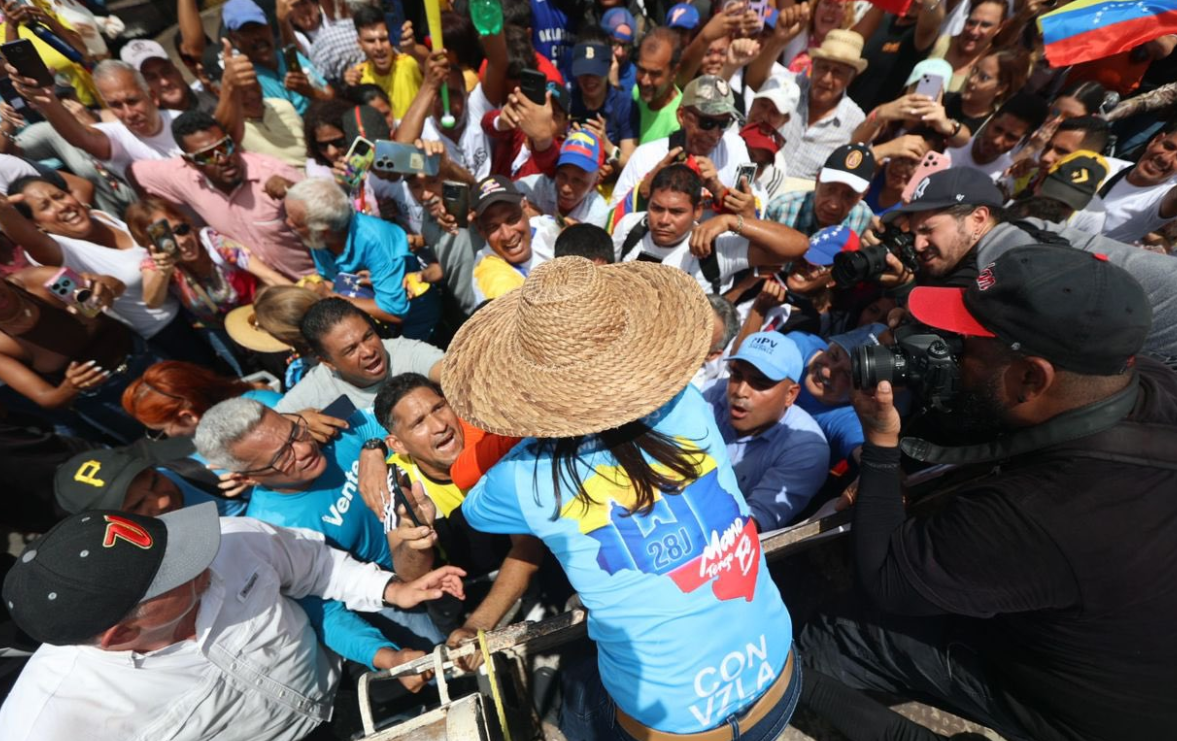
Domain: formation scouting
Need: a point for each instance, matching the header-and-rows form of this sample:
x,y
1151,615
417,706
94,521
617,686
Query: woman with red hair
x,y
171,397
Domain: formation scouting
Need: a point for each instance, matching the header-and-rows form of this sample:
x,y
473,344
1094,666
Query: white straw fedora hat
x,y
578,349
841,46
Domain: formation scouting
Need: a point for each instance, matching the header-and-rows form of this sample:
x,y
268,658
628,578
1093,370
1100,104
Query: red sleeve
x,y
488,126
541,163
481,451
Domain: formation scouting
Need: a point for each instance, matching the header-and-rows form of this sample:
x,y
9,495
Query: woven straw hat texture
x,y
578,349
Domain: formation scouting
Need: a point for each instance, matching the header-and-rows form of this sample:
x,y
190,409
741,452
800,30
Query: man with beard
x,y
957,220
990,150
1036,596
1143,198
237,193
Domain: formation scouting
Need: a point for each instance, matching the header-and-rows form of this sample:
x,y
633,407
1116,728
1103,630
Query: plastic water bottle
x,y
487,16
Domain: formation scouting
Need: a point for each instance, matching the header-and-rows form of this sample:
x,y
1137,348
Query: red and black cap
x,y
91,569
1071,307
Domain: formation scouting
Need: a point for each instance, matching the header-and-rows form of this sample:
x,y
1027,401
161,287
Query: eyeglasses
x,y
210,155
285,457
182,229
706,123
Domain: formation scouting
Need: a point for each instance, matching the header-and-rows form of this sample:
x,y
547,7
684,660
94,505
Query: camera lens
x,y
870,364
82,295
852,268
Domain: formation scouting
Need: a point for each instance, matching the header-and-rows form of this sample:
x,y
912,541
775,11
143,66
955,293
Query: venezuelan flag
x,y
1093,29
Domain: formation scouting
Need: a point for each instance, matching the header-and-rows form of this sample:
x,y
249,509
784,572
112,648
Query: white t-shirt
x,y
126,147
727,156
962,156
1091,219
13,169
540,191
1132,211
129,308
730,249
472,150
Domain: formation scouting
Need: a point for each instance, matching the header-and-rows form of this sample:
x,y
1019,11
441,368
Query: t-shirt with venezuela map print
x,y
689,625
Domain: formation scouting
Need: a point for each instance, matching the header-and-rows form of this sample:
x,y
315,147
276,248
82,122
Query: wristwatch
x,y
615,155
375,443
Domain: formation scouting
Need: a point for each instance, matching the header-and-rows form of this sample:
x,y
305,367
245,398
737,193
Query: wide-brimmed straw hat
x,y
578,349
841,46
241,324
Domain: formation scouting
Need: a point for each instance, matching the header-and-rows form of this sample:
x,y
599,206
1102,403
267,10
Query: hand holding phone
x,y
534,85
359,159
456,199
930,86
23,56
406,159
74,291
162,237
745,176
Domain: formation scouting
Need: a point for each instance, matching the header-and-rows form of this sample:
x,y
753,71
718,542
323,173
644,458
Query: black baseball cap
x,y
91,569
850,164
495,189
591,59
1075,179
96,479
952,187
1071,307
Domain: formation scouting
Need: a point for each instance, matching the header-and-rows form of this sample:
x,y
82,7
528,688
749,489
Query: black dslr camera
x,y
920,359
868,263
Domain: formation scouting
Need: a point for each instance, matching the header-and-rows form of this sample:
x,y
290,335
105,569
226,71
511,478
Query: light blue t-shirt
x,y
689,625
333,505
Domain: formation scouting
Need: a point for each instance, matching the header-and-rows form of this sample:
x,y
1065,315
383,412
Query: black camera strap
x,y
1041,236
1089,424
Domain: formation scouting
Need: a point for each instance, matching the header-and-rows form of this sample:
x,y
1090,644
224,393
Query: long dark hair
x,y
629,444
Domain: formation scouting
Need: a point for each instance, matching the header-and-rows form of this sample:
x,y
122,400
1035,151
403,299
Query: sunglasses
x,y
210,155
707,123
182,230
340,143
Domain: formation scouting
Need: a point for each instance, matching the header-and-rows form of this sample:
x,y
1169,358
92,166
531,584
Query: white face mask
x,y
165,631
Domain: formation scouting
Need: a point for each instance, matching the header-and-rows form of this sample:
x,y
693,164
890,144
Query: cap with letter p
x,y
96,479
1068,306
91,569
773,354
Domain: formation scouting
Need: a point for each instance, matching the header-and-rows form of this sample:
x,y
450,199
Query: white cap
x,y
136,52
784,94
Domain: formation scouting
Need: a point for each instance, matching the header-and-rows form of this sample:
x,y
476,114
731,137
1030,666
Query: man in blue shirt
x,y
603,109
298,482
344,241
778,451
249,31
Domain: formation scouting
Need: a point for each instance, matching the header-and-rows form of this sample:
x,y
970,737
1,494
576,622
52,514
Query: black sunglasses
x,y
340,143
707,123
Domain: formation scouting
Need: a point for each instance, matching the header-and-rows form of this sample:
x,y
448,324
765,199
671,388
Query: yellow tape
x,y
494,685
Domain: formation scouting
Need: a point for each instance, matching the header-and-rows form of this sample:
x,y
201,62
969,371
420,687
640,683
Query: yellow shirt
x,y
75,73
446,497
278,134
400,84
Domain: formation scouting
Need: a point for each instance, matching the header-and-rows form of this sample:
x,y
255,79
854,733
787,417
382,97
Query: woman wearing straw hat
x,y
624,476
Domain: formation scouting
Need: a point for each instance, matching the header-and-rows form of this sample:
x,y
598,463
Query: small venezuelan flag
x,y
1093,29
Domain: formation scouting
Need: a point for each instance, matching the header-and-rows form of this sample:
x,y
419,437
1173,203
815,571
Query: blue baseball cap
x,y
591,59
682,16
581,149
237,13
773,354
620,24
828,242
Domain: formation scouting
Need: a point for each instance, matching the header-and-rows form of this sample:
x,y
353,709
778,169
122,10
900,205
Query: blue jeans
x,y
589,714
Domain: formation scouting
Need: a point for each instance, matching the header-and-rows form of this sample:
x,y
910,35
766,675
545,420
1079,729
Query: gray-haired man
x,y
345,242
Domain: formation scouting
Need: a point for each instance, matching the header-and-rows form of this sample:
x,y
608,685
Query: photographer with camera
x,y
958,224
1024,597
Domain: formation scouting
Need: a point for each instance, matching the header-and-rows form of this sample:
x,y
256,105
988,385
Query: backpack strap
x,y
1111,182
1042,236
710,267
639,231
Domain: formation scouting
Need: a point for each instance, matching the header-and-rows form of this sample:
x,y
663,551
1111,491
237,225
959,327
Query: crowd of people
x,y
330,334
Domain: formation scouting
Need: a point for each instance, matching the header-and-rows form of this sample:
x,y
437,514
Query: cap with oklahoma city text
x,y
88,572
1071,307
953,187
850,164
